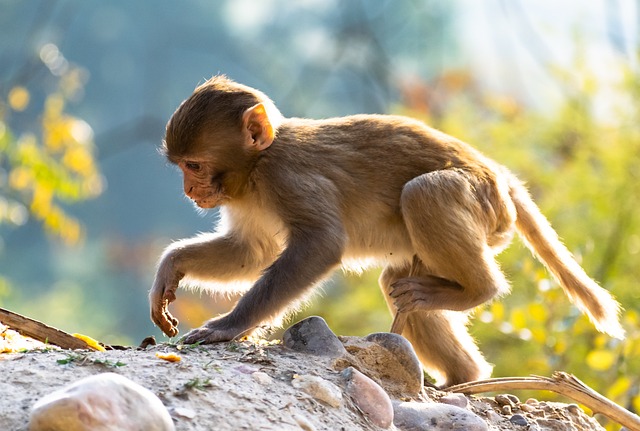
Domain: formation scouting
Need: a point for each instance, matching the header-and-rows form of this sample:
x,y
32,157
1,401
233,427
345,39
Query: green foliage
x,y
46,154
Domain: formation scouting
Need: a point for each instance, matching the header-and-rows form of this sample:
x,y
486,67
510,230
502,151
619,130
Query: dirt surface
x,y
237,386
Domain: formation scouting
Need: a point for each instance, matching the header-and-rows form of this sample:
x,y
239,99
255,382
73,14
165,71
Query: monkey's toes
x,y
410,300
194,336
208,334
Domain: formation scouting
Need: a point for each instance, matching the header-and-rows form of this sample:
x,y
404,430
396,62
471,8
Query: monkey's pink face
x,y
202,184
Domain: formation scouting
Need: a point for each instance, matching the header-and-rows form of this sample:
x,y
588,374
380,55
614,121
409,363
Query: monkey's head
x,y
215,137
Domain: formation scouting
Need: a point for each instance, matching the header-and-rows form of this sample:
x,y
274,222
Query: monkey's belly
x,y
377,245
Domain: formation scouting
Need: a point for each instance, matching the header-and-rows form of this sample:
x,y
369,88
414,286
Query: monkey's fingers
x,y
161,316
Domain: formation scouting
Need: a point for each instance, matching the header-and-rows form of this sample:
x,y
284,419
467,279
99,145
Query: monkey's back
x,y
361,163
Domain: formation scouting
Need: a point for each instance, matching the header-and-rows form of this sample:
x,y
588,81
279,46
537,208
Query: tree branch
x,y
39,331
562,383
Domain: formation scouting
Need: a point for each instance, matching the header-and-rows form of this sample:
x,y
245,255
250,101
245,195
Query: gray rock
x,y
312,335
519,420
369,397
414,416
458,400
104,402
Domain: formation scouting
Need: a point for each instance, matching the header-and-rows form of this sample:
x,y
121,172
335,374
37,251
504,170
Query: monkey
x,y
299,198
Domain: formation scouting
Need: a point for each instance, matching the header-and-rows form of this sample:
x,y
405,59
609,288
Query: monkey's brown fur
x,y
301,197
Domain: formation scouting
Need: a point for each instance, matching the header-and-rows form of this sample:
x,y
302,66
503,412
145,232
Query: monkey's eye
x,y
192,166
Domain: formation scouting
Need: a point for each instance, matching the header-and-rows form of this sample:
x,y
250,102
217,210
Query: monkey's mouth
x,y
211,201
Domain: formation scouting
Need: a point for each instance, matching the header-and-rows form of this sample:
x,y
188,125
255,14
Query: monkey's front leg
x,y
303,263
208,257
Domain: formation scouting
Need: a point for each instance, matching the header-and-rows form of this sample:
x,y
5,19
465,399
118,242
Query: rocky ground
x,y
312,381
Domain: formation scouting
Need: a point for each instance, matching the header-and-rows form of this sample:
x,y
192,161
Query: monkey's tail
x,y
586,294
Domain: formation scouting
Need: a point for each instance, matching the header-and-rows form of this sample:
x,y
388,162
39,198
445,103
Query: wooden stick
x,y
562,383
39,331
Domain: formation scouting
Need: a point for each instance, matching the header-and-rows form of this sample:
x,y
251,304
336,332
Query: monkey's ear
x,y
258,128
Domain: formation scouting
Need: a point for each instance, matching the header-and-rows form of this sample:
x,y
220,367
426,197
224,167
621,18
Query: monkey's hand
x,y
215,330
162,294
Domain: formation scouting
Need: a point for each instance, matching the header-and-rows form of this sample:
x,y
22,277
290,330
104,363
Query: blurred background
x,y
550,89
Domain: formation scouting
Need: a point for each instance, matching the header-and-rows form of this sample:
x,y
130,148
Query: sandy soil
x,y
233,386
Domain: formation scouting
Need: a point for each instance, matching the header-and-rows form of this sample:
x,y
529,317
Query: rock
x,y
388,359
304,423
183,412
492,416
313,336
262,378
404,354
319,389
104,402
519,420
515,400
504,400
369,397
528,408
574,408
458,400
414,416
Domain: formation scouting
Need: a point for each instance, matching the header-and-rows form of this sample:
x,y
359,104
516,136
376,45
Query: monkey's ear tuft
x,y
258,128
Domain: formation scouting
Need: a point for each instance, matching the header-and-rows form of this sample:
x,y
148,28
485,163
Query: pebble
x,y
312,335
458,400
574,408
519,420
319,389
504,400
404,354
262,378
527,408
506,409
183,412
108,402
414,416
515,400
303,422
369,397
493,416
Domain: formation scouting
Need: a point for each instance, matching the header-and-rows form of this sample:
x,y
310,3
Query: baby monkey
x,y
299,198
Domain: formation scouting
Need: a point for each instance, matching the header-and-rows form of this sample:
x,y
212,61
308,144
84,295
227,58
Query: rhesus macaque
x,y
299,198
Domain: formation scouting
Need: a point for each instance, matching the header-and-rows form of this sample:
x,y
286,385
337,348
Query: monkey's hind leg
x,y
440,339
449,221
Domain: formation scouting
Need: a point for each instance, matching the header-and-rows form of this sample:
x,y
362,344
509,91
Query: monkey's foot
x,y
213,331
420,293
